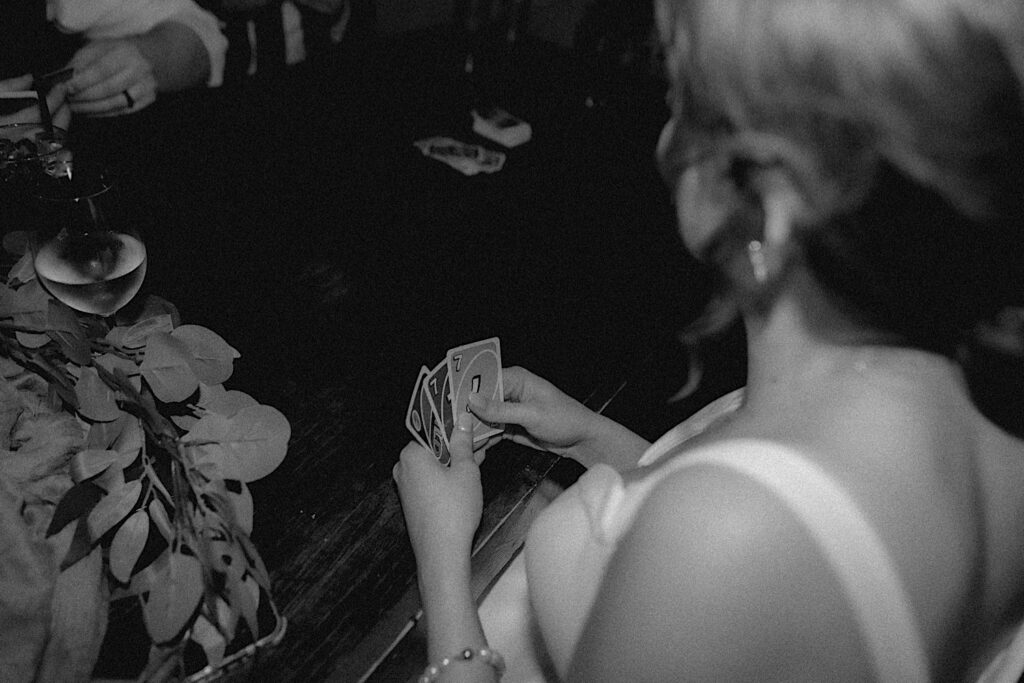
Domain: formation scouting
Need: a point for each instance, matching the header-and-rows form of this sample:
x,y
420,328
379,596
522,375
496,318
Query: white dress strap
x,y
850,544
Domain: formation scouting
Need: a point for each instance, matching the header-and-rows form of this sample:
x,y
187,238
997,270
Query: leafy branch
x,y
158,474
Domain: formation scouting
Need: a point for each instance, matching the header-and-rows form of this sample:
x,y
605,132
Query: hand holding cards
x,y
442,393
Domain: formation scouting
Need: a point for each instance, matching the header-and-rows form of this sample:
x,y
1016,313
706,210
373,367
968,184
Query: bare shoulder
x,y
715,581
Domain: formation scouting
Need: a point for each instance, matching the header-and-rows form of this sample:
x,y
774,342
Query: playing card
x,y
439,391
418,417
502,127
475,368
438,440
464,157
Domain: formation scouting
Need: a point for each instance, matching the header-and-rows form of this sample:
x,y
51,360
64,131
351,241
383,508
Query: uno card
x,y
476,368
418,417
439,390
438,440
502,127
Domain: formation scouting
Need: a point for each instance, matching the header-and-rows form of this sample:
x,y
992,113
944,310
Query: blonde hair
x,y
910,115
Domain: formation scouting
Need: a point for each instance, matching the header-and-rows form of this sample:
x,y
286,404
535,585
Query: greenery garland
x,y
128,454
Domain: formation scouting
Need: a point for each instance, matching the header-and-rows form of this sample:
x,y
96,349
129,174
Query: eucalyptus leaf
x,y
110,361
137,336
32,340
22,271
115,336
142,581
244,595
221,553
30,304
114,507
227,618
174,597
216,399
78,501
247,446
111,479
212,357
6,300
129,442
166,368
74,349
257,569
184,422
210,639
95,399
153,306
242,504
62,318
63,327
88,462
81,545
158,513
102,435
127,545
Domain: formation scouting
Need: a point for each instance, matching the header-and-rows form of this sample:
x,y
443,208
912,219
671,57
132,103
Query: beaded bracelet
x,y
489,657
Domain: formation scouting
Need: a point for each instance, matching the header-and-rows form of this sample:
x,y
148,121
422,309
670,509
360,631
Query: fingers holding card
x,y
476,368
442,393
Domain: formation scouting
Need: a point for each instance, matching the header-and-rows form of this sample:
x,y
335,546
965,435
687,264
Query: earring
x,y
755,252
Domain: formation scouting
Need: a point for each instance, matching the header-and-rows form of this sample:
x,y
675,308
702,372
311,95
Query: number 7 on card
x,y
476,368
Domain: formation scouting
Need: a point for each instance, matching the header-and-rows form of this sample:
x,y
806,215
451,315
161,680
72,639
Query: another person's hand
x,y
442,505
540,414
112,77
55,100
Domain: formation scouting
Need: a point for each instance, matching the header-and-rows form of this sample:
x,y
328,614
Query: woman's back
x,y
937,481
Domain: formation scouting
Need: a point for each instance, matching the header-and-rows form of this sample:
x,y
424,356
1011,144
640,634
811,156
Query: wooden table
x,y
298,220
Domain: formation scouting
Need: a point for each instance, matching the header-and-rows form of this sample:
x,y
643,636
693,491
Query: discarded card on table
x,y
502,127
466,158
442,393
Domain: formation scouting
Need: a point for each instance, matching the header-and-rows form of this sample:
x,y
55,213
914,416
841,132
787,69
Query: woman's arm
x,y
540,415
716,581
442,508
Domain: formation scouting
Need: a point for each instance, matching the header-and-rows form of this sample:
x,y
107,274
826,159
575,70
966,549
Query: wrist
x,y
606,441
443,576
176,56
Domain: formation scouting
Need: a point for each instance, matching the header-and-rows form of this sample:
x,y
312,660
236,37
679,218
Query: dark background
x,y
292,214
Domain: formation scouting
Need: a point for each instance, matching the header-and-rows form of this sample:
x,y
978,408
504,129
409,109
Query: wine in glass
x,y
83,261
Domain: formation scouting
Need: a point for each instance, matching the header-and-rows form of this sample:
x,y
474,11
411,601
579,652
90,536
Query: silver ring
x,y
128,99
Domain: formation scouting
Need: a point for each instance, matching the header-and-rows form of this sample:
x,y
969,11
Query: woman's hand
x,y
542,416
442,505
539,415
112,77
55,100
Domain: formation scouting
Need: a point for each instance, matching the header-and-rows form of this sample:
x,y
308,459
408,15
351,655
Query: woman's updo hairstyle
x,y
911,116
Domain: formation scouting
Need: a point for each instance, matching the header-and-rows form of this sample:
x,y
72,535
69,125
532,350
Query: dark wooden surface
x,y
297,219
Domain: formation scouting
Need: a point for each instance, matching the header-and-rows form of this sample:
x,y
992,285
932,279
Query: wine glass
x,y
79,258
